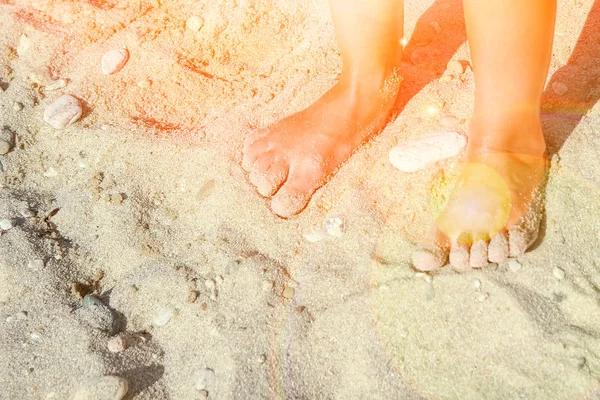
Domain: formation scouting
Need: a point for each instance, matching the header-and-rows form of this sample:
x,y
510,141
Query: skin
x,y
494,209
291,159
511,45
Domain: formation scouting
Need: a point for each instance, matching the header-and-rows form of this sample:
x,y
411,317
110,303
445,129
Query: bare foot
x,y
297,155
495,208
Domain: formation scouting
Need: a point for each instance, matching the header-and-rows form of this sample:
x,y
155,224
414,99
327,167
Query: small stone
x,y
117,198
163,317
194,23
50,173
261,359
559,88
482,297
192,296
6,224
63,112
454,68
116,344
204,379
581,361
203,395
114,60
145,84
17,106
267,286
334,226
514,265
449,121
56,85
206,190
314,236
558,273
5,147
477,284
421,275
288,292
212,288
21,315
27,213
97,315
104,388
35,265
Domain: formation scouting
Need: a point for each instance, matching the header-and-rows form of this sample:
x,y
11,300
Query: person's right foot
x,y
296,156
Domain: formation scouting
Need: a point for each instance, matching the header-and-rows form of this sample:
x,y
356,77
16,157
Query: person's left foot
x,y
495,208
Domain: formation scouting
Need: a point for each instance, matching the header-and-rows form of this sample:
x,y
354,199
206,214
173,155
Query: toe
x,y
519,240
459,256
269,182
429,259
498,248
289,201
478,257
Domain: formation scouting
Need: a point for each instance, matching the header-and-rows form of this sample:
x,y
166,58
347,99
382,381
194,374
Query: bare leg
x,y
492,211
296,156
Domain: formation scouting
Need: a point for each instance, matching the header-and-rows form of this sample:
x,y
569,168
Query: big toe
x,y
289,202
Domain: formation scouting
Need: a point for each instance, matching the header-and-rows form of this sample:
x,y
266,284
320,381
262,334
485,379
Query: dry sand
x,y
143,203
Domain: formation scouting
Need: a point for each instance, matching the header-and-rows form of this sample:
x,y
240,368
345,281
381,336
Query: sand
x,y
143,203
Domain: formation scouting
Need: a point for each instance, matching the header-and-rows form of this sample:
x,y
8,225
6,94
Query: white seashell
x,y
514,265
163,317
114,60
63,112
6,224
417,154
558,273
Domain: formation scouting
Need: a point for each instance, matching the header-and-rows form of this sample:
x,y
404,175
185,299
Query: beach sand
x,y
143,203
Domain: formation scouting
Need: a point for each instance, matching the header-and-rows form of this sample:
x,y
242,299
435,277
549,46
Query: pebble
x,y
203,395
267,286
104,388
194,23
35,265
558,273
17,106
6,224
334,226
63,112
477,284
97,315
21,315
27,213
454,67
58,84
514,265
50,173
206,190
212,288
192,296
559,88
114,60
116,344
145,84
288,292
261,359
421,275
449,121
428,149
6,141
163,318
204,379
482,297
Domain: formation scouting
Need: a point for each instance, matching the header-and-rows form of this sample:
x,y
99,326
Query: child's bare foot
x,y
296,156
495,208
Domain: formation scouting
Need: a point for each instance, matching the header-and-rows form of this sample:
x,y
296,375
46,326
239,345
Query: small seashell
x,y
267,286
205,378
50,173
417,154
145,84
194,23
559,88
477,284
163,317
116,344
35,265
63,112
454,68
17,106
6,224
114,60
206,190
334,226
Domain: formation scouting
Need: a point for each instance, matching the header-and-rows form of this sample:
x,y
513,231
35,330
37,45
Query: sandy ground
x,y
143,203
